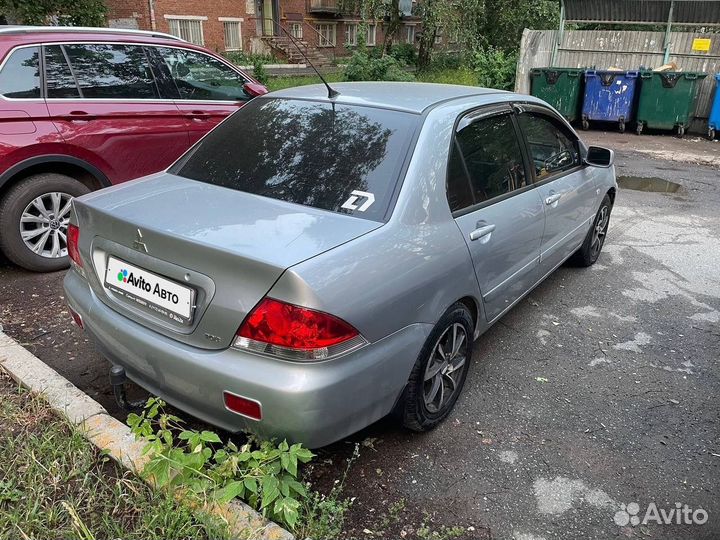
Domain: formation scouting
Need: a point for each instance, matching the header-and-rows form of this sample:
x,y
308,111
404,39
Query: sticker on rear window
x,y
357,195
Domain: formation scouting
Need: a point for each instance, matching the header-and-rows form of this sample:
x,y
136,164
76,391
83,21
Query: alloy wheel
x,y
601,226
44,224
444,370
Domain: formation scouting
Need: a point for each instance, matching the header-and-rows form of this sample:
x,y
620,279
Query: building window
x,y
351,34
410,34
296,30
371,34
327,36
233,33
439,36
187,28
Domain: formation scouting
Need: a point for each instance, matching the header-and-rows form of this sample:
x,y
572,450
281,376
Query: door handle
x,y
552,199
199,114
481,232
80,115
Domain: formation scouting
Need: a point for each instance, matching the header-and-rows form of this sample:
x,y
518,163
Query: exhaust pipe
x,y
117,381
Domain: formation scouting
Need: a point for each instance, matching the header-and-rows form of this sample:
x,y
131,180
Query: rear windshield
x,y
334,157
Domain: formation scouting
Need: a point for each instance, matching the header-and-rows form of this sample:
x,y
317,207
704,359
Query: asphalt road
x,y
600,389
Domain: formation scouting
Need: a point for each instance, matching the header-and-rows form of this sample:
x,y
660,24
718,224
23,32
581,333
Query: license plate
x,y
164,297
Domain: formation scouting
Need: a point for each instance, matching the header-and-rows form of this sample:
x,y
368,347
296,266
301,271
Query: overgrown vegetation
x,y
63,12
262,473
55,484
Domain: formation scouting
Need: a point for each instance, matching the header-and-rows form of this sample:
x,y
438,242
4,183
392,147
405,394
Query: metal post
x,y
668,30
561,32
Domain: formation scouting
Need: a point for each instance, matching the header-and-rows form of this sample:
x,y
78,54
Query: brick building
x,y
258,26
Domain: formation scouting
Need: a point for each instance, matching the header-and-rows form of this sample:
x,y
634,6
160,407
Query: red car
x,y
85,108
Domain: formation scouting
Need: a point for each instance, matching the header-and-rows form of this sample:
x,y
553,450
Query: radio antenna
x,y
332,93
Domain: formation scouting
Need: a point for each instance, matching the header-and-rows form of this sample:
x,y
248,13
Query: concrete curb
x,y
111,435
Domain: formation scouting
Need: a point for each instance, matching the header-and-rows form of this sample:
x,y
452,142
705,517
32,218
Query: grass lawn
x,y
55,484
446,76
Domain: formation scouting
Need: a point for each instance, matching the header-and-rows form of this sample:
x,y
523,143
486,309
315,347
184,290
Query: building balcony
x,y
324,6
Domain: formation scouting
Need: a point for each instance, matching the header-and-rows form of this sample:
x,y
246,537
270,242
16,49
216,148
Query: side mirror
x,y
597,156
253,89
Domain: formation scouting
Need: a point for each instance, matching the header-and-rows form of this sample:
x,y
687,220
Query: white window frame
x,y
232,20
332,31
351,31
439,35
296,30
410,33
171,19
371,33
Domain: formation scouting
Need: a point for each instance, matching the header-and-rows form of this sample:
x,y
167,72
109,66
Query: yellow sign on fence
x,y
701,44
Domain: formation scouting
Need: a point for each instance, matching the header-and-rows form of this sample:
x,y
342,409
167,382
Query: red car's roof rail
x,y
16,29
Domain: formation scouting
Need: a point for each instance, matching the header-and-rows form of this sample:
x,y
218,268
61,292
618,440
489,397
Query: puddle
x,y
639,183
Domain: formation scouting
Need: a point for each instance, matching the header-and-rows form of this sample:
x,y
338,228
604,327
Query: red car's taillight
x,y
73,238
295,333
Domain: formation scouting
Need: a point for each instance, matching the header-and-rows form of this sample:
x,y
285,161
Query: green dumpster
x,y
560,87
667,100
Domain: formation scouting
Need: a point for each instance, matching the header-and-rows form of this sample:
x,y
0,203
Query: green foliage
x,y
363,67
261,473
64,12
405,53
464,76
495,68
260,73
55,484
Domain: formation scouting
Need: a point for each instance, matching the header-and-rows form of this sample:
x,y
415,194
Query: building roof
x,y
690,12
402,96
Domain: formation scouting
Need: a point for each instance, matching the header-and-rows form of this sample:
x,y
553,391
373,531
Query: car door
x,y
491,195
565,185
107,106
208,90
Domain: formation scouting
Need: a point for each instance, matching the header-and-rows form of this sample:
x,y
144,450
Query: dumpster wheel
x,y
711,134
639,128
585,124
621,126
680,132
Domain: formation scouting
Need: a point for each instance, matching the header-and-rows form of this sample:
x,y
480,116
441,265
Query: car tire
x,y
416,408
47,188
595,239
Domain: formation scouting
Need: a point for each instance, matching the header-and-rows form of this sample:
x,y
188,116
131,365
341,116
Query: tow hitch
x,y
117,380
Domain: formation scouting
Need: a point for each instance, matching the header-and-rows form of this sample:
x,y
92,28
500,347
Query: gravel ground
x,y
599,390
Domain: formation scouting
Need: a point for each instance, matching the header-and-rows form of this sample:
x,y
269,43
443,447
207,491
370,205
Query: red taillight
x,y
295,332
76,317
244,406
73,238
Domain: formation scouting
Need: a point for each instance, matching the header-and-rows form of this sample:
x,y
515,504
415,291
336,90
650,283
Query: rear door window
x,y
108,71
201,77
335,157
20,76
59,79
486,162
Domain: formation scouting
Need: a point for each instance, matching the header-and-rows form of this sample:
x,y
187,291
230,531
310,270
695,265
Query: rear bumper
x,y
314,403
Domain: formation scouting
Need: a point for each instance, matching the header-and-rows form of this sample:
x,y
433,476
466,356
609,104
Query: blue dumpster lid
x,y
691,12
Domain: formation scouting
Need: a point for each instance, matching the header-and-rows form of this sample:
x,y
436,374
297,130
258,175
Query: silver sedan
x,y
316,263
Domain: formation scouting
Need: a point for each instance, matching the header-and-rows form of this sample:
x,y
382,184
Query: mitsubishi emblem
x,y
138,243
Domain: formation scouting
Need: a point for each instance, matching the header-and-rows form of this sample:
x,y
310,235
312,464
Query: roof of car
x,y
52,30
402,96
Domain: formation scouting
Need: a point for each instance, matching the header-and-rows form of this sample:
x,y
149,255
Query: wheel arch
x,y
475,311
611,193
81,170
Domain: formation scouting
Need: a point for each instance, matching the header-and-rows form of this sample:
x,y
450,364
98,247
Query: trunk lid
x,y
225,246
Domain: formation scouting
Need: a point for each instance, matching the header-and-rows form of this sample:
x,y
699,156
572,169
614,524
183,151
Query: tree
x,y
64,12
